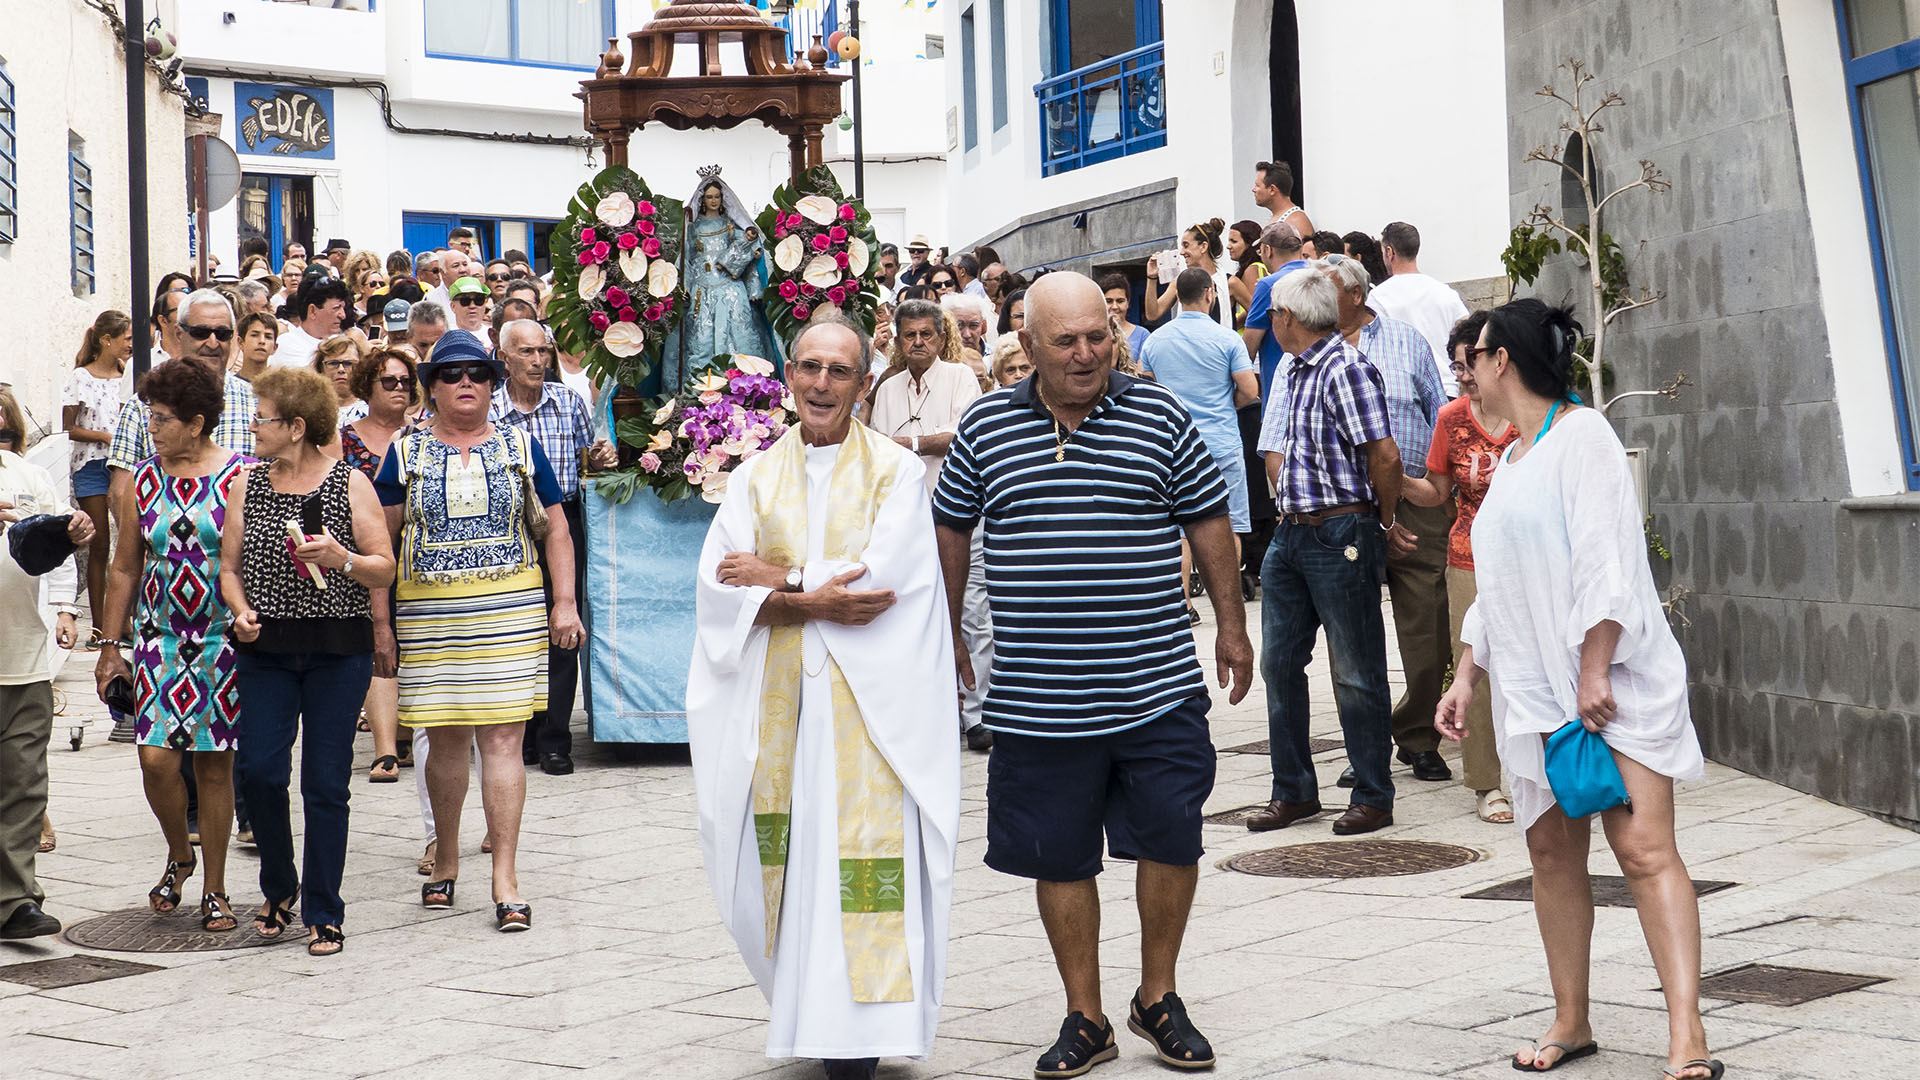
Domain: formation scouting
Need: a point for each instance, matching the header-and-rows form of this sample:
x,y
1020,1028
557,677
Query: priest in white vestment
x,y
821,708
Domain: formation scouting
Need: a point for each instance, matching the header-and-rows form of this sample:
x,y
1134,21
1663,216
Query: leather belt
x,y
1319,517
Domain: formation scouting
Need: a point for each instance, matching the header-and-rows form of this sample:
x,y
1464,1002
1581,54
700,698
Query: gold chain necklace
x,y
1059,439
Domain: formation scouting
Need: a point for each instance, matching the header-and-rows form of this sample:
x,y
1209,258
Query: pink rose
x,y
806,289
646,228
627,241
601,250
656,313
650,462
585,258
838,234
847,212
617,297
841,259
644,208
599,320
780,230
820,242
794,221
666,304
650,247
789,289
803,313
627,315
838,296
588,236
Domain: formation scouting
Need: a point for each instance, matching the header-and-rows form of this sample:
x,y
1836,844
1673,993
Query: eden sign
x,y
289,121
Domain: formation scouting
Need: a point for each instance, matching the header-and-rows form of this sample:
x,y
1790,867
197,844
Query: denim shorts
x,y
1050,799
90,479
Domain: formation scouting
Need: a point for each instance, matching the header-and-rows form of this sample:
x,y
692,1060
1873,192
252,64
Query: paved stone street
x,y
628,974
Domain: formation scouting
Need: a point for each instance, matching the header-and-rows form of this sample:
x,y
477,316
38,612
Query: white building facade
x,y
389,127
64,235
1088,133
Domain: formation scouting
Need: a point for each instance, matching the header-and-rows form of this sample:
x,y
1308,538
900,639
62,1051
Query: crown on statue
x,y
709,172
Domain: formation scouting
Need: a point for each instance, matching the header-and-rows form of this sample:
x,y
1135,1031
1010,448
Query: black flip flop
x,y
386,761
1567,1053
1714,1069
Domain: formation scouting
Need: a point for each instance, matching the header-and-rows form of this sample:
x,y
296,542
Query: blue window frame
x,y
969,82
567,34
1880,52
997,58
1108,96
425,231
9,162
80,195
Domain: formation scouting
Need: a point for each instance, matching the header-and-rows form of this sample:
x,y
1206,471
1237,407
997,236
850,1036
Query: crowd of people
x,y
350,494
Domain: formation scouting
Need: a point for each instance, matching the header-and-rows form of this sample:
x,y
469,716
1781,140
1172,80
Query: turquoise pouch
x,y
1582,772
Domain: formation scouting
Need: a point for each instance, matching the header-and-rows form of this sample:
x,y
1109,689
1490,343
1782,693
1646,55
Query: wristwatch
x,y
347,567
794,579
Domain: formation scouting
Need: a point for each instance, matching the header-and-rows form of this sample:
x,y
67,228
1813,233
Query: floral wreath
x,y
731,409
616,276
824,252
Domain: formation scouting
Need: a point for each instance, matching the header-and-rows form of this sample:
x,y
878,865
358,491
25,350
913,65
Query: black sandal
x,y
213,907
384,761
437,895
403,748
1177,1042
513,918
327,941
1082,1045
279,916
165,897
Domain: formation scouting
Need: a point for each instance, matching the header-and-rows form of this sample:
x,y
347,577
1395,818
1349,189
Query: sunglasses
x,y
1475,352
470,301
394,382
497,277
202,333
452,374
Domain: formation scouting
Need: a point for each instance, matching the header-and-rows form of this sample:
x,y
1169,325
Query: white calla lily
x,y
823,272
788,253
858,257
592,280
662,278
615,209
633,265
752,365
818,209
624,339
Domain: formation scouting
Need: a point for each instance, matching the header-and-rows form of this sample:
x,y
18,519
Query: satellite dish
x,y
223,171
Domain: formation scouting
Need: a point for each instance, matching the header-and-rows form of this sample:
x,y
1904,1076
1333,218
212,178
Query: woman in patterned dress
x,y
470,616
168,556
384,379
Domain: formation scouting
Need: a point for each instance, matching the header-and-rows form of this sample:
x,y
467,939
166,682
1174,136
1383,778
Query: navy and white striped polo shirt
x,y
1090,632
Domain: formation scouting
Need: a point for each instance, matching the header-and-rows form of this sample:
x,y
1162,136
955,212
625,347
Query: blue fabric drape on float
x,y
641,560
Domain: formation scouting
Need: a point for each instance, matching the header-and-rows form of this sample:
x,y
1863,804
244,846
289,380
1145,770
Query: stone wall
x,y
1122,228
1799,627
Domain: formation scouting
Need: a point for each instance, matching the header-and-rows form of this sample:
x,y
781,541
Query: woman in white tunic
x,y
1568,624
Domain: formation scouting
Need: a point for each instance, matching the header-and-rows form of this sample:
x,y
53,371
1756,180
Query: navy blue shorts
x,y
90,479
1049,799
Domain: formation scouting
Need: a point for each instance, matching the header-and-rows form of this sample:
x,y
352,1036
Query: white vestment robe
x,y
900,669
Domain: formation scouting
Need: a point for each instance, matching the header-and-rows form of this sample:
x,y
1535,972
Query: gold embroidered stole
x,y
869,796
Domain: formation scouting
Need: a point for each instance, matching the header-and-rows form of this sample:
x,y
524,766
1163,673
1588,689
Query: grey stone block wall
x,y
1122,228
1800,628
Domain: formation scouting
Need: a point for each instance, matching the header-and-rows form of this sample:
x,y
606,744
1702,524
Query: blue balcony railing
x,y
1105,110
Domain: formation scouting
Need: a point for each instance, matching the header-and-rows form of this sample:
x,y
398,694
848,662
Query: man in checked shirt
x,y
555,415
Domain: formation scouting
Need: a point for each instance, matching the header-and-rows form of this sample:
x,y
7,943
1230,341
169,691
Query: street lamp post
x,y
136,50
859,140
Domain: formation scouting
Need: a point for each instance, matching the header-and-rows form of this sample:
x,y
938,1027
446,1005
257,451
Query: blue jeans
x,y
1309,581
317,696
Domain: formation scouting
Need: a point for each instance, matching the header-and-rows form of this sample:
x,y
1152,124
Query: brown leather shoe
x,y
1279,815
1362,819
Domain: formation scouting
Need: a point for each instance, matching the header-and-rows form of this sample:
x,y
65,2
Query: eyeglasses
x,y
154,418
202,333
342,364
840,373
258,420
1475,352
376,283
392,382
470,301
451,374
498,277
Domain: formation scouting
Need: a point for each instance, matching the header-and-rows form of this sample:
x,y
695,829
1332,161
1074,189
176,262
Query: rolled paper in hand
x,y
294,539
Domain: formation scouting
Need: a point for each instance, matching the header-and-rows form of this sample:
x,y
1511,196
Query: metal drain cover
x,y
1264,747
1769,984
140,930
1353,859
1609,890
71,971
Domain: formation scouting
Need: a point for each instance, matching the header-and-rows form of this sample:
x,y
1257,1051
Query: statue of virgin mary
x,y
724,277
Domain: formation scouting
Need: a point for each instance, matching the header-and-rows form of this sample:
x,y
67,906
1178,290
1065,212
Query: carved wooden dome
x,y
797,99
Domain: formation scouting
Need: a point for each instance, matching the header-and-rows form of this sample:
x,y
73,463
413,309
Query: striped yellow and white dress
x,y
470,617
